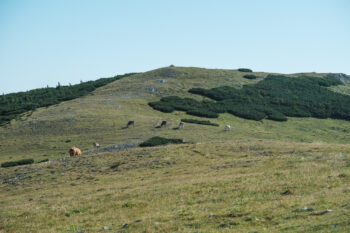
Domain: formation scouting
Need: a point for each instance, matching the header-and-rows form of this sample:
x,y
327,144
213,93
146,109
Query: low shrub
x,y
116,165
250,76
199,122
43,161
161,106
244,70
202,113
276,116
17,163
157,141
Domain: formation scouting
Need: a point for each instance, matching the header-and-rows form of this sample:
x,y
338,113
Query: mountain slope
x,y
262,176
231,186
101,116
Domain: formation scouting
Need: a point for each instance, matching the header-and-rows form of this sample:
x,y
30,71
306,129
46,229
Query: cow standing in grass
x,y
163,124
74,151
181,125
96,145
130,123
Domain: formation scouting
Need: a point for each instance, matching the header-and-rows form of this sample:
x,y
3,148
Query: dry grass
x,y
219,182
204,187
101,117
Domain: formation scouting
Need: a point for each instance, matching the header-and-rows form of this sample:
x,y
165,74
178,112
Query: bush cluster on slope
x,y
14,104
273,98
157,141
245,70
194,121
17,163
250,76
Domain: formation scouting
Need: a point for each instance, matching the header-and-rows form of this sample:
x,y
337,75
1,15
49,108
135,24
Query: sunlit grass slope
x,y
231,186
262,176
101,116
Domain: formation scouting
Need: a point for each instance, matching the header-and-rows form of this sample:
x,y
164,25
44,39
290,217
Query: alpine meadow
x,y
179,149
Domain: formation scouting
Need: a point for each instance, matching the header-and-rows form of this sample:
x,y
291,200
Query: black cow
x,y
130,123
163,124
181,125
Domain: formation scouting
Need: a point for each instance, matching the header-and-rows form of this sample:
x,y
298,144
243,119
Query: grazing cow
x,y
96,145
130,123
227,128
181,125
163,124
74,151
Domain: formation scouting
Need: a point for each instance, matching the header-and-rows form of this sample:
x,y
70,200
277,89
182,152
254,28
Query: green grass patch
x,y
157,141
194,121
17,163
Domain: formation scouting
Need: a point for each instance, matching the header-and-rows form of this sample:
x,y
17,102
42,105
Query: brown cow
x,y
74,151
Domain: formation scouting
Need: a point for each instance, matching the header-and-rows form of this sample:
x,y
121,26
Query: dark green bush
x,y
44,160
203,112
161,106
275,98
199,122
116,165
276,116
250,76
244,70
157,141
17,163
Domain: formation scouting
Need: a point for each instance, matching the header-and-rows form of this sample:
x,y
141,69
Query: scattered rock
x,y
70,120
161,81
341,175
168,72
304,208
116,147
105,228
151,90
287,192
125,225
239,85
326,211
341,77
30,199
323,212
64,159
211,216
247,219
138,220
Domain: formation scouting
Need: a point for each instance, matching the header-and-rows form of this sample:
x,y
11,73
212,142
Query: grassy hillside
x,y
231,186
14,104
49,132
258,177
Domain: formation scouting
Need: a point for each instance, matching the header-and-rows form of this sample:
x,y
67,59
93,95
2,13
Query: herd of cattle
x,y
76,151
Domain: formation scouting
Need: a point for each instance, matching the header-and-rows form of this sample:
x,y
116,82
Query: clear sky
x,y
44,42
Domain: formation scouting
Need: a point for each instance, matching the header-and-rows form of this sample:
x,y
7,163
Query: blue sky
x,y
45,42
